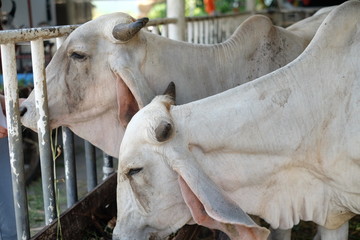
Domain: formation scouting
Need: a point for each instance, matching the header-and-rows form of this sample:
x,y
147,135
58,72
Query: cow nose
x,y
22,110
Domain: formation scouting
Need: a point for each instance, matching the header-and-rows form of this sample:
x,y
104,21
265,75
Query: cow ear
x,y
171,92
127,105
211,208
163,131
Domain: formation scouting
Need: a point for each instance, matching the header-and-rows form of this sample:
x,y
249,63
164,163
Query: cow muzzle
x,y
22,110
143,233
28,115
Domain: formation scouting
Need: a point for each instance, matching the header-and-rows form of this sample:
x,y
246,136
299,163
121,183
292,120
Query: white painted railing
x,y
8,39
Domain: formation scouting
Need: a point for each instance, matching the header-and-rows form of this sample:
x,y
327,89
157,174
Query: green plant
x,y
56,152
35,206
22,82
158,11
224,6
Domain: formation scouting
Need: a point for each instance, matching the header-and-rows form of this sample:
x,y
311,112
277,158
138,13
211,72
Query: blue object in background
x,y
23,78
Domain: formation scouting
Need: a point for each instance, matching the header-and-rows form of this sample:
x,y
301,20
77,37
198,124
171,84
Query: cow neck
x,y
107,127
205,69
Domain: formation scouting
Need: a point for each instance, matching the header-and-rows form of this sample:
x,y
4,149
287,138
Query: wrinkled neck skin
x,y
102,136
200,71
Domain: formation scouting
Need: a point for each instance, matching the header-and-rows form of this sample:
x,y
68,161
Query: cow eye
x,y
133,171
78,56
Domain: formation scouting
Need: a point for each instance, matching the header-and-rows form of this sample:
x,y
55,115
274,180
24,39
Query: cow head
x,y
161,187
92,74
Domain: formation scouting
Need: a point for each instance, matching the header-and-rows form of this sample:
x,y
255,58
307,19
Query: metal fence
x,y
8,41
203,30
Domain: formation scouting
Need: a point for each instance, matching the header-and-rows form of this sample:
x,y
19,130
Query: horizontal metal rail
x,y
161,21
222,16
30,34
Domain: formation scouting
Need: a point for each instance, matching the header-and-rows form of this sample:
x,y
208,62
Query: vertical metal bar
x,y
202,32
190,32
15,141
155,30
218,31
213,29
47,174
108,167
165,30
206,32
69,157
196,32
70,166
200,29
176,9
210,31
91,175
228,29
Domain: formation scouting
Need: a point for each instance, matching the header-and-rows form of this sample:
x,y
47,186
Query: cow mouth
x,y
127,104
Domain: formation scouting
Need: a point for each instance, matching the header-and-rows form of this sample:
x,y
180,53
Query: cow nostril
x,y
22,110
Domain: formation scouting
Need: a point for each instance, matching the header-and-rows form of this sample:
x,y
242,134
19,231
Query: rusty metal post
x,y
47,174
15,141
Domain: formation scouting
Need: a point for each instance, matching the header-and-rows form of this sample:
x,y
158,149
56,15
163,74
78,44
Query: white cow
x,y
96,81
284,147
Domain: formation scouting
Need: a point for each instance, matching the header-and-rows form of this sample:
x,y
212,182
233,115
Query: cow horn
x,y
171,91
163,131
125,31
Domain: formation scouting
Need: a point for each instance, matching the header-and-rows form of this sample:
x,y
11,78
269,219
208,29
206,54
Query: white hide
x,y
94,78
284,147
307,27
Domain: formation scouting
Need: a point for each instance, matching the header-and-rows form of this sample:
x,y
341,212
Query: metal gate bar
x,y
91,173
70,167
47,174
15,141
